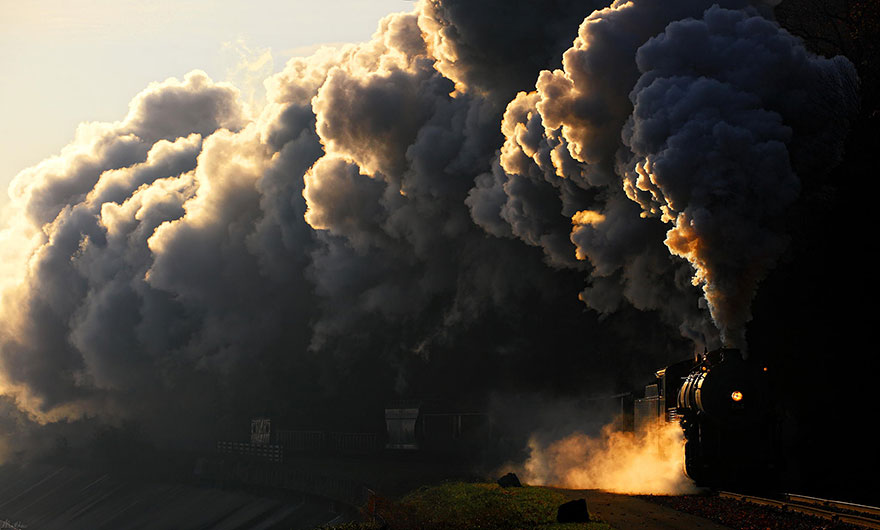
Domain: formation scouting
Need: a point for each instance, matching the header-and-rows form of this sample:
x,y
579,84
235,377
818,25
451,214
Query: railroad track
x,y
844,512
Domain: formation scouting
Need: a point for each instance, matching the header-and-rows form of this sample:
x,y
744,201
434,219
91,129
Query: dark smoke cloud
x,y
411,216
168,259
700,118
710,142
495,47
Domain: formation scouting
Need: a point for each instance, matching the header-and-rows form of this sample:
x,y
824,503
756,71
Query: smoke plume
x,y
687,114
415,215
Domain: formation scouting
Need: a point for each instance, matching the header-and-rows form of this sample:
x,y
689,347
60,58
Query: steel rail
x,y
810,506
841,505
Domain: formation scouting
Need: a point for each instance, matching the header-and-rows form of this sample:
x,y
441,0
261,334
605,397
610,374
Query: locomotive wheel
x,y
693,461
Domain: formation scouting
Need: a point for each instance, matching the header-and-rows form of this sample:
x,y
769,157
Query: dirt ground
x,y
630,513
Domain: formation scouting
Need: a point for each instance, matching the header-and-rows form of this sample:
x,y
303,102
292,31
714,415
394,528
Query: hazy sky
x,y
68,61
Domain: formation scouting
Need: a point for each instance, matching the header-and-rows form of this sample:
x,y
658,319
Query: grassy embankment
x,y
468,506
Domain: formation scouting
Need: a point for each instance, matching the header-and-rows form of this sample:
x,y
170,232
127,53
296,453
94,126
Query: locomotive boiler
x,y
721,401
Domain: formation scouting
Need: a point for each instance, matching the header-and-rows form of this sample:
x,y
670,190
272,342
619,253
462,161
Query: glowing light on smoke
x,y
581,219
648,461
587,217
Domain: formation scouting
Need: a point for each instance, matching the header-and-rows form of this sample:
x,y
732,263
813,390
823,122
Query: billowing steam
x,y
675,112
648,461
717,125
193,258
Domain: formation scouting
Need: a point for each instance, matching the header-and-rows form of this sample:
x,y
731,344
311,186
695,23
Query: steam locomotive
x,y
722,403
720,400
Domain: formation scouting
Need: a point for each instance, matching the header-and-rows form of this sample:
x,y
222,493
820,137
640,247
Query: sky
x,y
66,62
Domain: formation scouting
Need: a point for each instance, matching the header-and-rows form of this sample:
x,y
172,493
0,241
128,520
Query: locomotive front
x,y
725,414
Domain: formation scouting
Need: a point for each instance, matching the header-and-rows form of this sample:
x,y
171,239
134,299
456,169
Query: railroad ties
x,y
844,512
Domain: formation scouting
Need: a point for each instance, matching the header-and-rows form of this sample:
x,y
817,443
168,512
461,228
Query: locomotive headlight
x,y
736,395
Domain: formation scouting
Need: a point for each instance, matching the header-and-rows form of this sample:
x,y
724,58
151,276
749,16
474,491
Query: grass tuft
x,y
474,506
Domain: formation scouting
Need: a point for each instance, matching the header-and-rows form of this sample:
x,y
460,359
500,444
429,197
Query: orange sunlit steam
x,y
587,217
645,462
727,292
684,241
581,219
